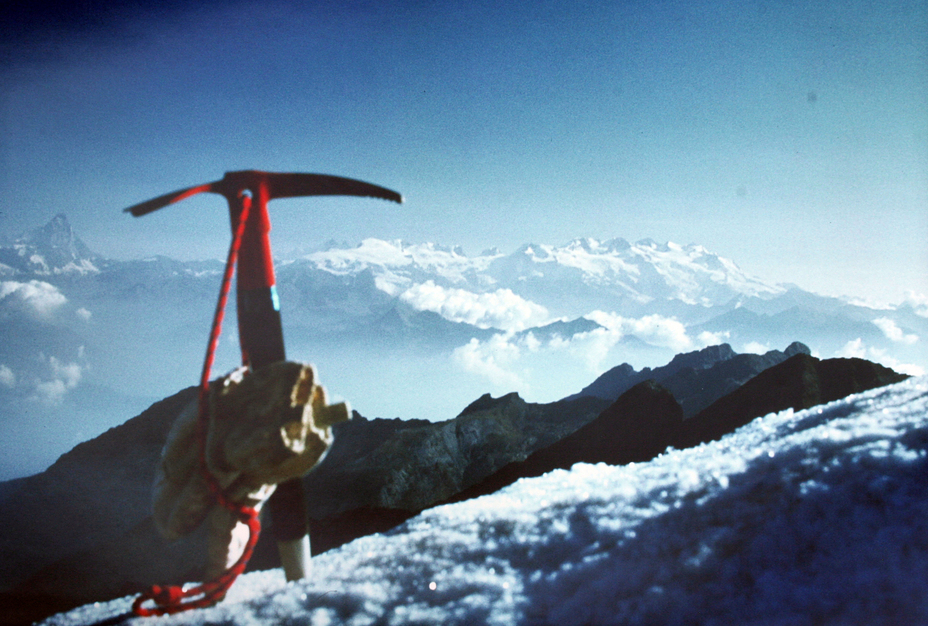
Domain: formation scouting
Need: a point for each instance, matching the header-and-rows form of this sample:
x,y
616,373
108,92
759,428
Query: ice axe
x,y
258,306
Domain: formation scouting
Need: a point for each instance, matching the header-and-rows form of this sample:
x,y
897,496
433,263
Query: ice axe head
x,y
253,189
257,188
271,185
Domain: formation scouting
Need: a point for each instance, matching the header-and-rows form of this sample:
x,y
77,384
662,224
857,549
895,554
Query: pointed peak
x,y
59,221
486,402
705,358
585,243
54,248
617,245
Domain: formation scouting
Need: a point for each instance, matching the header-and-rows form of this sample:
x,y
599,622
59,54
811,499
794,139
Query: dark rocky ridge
x,y
696,379
646,419
636,427
800,382
420,463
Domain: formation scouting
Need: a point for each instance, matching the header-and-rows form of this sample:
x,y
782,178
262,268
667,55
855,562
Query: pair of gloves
x,y
264,427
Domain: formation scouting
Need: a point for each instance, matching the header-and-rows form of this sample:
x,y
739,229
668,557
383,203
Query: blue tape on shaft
x,y
275,300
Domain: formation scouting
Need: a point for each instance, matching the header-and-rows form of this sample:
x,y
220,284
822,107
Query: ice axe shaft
x,y
258,306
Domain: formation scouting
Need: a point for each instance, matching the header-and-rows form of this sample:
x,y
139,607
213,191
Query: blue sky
x,y
791,137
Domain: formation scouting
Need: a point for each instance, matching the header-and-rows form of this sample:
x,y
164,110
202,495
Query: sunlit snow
x,y
688,273
815,517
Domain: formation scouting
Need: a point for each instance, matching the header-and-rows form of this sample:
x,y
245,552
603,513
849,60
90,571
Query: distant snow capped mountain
x,y
397,265
643,272
51,249
568,280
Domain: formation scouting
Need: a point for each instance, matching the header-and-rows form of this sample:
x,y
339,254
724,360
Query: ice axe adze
x,y
259,323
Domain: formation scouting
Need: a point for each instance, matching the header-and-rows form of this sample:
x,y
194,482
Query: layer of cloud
x,y
494,360
705,338
59,378
893,332
509,361
500,309
7,377
657,330
755,347
36,298
918,302
857,349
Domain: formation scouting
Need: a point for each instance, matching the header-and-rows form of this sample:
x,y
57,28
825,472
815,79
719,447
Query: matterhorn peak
x,y
53,249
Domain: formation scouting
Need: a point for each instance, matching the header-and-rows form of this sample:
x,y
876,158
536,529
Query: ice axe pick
x,y
258,306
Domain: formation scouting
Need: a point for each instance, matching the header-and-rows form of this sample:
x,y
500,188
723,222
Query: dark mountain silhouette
x,y
646,419
696,379
696,388
800,382
636,427
616,381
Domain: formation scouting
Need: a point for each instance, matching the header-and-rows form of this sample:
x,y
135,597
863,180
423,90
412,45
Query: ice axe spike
x,y
260,329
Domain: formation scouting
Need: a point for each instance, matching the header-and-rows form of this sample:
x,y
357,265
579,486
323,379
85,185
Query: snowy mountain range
x,y
398,329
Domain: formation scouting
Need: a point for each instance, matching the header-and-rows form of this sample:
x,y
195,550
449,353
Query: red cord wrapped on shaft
x,y
174,599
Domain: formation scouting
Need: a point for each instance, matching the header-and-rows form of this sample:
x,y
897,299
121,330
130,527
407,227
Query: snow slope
x,y
813,517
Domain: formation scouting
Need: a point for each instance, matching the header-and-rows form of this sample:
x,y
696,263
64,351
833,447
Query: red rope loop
x,y
174,599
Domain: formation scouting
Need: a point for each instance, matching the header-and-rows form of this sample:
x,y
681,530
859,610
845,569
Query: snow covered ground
x,y
815,517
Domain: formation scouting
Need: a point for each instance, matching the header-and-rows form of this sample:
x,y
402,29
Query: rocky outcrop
x,y
646,419
424,463
636,427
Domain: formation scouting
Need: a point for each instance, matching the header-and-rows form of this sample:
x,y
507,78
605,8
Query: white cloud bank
x,y
500,309
817,517
654,329
918,302
65,376
893,332
857,349
7,377
58,378
37,298
497,359
510,361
